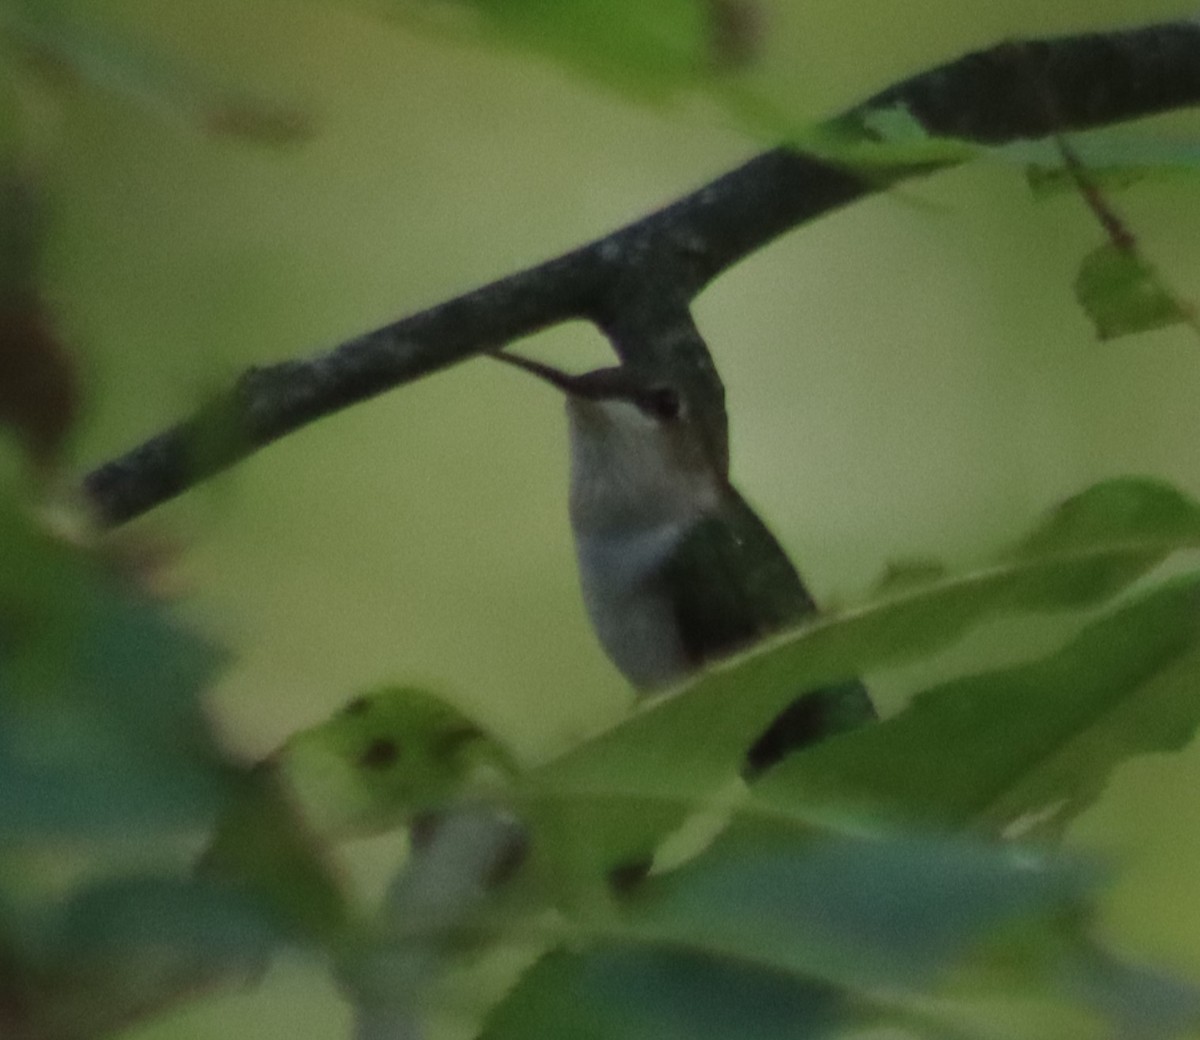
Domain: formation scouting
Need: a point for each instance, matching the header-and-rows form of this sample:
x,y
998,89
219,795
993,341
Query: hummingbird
x,y
677,570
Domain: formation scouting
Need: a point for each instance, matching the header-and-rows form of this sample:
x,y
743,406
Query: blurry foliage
x,y
871,880
1122,293
65,44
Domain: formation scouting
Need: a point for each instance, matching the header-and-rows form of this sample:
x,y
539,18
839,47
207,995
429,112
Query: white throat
x,y
624,478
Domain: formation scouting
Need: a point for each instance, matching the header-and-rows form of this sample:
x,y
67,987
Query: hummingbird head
x,y
647,449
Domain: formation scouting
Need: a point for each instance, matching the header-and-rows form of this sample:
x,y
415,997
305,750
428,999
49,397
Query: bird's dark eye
x,y
661,402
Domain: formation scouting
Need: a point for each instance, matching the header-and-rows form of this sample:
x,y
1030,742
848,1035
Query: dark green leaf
x,y
858,912
101,726
618,992
1031,746
140,917
779,931
123,947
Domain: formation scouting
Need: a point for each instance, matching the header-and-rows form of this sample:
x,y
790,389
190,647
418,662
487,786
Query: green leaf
x,y
679,749
264,847
1115,159
1030,746
101,726
121,947
887,143
1122,293
142,916
777,931
1046,181
385,757
65,34
629,993
650,48
892,912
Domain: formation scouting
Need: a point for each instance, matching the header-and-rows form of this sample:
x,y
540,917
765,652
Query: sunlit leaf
x,y
883,142
386,756
1122,293
1087,550
1028,747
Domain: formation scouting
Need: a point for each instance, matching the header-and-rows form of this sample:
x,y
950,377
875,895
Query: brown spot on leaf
x,y
625,877
379,754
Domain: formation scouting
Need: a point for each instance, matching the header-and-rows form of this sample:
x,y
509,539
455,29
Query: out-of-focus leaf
x,y
1089,548
1045,181
1114,159
885,142
65,37
1027,747
39,388
123,948
861,912
385,757
1122,293
263,846
902,574
101,726
624,992
776,931
1140,1002
651,48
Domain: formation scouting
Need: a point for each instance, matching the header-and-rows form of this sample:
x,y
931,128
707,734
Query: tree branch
x,y
990,96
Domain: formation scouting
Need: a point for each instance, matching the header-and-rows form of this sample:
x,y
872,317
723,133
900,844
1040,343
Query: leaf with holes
x,y
680,749
1030,746
385,757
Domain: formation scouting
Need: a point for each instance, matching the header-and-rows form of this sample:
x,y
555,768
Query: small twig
x,y
636,283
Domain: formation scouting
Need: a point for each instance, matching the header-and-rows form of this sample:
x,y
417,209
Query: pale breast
x,y
633,617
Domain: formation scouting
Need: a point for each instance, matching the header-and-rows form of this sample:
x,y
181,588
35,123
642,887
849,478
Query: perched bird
x,y
676,569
